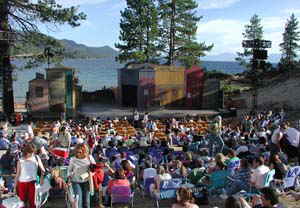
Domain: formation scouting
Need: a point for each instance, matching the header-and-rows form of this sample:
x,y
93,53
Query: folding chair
x,y
269,177
290,179
167,190
121,195
218,180
146,185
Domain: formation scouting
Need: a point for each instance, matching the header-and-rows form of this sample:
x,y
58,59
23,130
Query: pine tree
x,y
20,17
178,32
290,45
139,32
253,31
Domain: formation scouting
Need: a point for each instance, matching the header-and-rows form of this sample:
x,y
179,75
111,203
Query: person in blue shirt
x,y
4,143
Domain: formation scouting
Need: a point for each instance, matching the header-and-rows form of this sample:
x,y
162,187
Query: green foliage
x,y
139,32
24,16
178,32
290,46
31,48
67,49
216,74
253,30
228,88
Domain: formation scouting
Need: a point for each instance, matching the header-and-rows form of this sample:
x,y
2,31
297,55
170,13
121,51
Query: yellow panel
x,y
166,75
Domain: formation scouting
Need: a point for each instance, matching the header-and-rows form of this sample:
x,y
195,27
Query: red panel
x,y
194,78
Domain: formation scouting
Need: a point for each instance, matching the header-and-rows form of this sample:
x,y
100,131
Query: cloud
x,y
79,2
226,34
291,11
216,4
273,23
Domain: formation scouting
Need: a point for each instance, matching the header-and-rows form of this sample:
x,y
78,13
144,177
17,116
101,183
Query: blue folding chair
x,y
121,195
167,190
218,180
146,185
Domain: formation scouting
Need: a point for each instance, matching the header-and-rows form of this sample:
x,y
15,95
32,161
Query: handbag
x,y
39,170
13,202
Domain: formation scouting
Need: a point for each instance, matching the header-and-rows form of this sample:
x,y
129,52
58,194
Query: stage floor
x,y
104,111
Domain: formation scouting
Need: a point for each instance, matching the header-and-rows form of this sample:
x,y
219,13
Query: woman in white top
x,y
79,175
161,176
27,170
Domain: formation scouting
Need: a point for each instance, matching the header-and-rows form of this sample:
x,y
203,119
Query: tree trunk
x,y
5,65
148,36
172,34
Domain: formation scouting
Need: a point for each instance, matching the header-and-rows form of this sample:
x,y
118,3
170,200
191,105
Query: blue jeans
x,y
82,192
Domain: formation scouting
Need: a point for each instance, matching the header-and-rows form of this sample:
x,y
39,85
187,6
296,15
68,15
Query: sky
x,y
222,23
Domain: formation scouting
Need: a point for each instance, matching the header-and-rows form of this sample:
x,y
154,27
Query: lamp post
x,y
258,60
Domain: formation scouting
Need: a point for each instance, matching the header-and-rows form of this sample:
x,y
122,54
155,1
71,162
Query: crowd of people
x,y
243,151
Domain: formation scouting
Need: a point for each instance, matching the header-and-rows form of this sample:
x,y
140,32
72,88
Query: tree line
x,y
160,31
288,47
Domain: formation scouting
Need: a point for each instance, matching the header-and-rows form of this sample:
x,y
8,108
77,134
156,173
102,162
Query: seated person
x,y
128,170
279,166
197,173
233,161
162,175
148,172
258,175
179,171
118,180
184,199
241,179
267,199
219,163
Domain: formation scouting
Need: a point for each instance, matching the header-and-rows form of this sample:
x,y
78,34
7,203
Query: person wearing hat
x,y
216,143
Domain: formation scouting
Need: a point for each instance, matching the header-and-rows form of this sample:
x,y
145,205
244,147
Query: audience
x,y
178,152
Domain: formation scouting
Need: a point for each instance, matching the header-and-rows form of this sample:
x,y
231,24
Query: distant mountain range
x,y
83,51
75,50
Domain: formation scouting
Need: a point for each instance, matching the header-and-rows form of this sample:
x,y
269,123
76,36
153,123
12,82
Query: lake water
x,y
96,73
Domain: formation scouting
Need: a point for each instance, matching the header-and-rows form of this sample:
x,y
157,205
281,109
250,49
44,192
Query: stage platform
x,y
104,111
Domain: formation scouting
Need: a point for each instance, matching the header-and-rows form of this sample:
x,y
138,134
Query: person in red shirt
x,y
119,180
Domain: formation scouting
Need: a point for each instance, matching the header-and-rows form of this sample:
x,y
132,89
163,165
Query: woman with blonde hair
x,y
184,199
162,175
79,175
219,163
